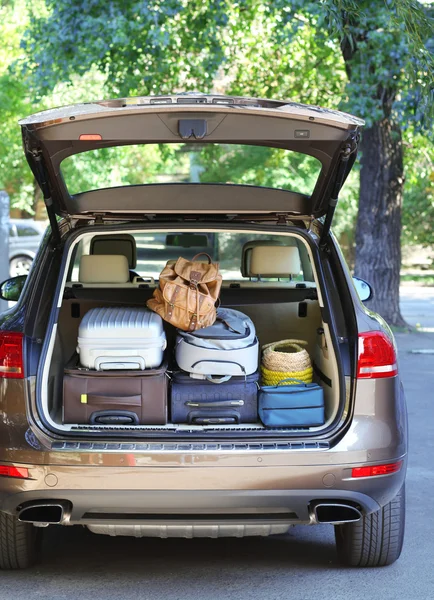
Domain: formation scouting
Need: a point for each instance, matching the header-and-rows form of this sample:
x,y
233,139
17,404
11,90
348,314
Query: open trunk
x,y
280,308
197,159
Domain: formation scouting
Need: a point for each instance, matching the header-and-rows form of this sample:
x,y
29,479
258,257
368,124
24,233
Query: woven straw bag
x,y
285,359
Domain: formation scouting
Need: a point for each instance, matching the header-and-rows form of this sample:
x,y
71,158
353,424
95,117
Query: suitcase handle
x,y
218,380
215,404
215,421
225,362
217,416
96,400
114,417
110,363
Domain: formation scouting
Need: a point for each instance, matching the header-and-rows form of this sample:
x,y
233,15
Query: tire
x,y
376,540
19,543
20,265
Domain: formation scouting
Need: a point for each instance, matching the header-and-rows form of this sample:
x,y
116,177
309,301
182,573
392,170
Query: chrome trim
x,y
337,505
192,530
65,513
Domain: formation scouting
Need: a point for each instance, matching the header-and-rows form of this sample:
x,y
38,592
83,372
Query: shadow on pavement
x,y
76,550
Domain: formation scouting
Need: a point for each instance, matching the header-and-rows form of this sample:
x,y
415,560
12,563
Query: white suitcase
x,y
121,338
227,348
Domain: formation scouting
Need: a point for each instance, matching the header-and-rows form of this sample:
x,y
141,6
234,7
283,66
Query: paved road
x,y
417,304
302,565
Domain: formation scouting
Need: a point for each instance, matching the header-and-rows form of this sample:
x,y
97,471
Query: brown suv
x,y
228,174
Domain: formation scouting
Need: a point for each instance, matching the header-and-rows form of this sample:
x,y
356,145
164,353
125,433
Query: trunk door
x,y
52,136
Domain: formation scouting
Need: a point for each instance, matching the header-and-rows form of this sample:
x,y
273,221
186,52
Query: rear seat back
x,y
274,261
271,259
122,243
105,270
247,253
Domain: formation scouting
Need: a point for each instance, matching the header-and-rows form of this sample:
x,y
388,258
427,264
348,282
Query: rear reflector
x,y
377,356
17,472
375,470
88,137
11,355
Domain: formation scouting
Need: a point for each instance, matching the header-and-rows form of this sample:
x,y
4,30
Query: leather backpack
x,y
188,292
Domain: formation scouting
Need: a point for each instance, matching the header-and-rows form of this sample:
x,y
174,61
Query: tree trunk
x,y
378,228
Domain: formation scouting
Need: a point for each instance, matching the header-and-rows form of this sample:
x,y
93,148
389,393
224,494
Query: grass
x,y
427,280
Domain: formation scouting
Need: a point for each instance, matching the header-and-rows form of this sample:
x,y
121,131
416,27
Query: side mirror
x,y
11,289
363,289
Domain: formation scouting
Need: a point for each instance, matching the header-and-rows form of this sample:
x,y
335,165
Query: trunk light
x,y
377,356
17,472
11,355
88,137
375,470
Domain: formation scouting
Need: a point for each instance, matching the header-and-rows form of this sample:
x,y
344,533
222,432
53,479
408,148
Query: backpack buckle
x,y
195,277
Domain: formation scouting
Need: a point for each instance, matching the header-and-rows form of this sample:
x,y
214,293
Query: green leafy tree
x,y
379,55
371,57
15,177
147,47
418,213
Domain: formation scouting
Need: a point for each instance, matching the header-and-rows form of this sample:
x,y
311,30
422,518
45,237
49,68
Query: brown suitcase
x,y
115,397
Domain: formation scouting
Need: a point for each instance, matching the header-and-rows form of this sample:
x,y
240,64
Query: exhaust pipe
x,y
43,514
336,513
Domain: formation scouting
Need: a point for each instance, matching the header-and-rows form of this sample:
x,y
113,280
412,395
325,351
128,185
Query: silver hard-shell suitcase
x,y
121,338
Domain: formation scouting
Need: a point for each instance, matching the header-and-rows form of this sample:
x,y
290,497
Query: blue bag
x,y
300,405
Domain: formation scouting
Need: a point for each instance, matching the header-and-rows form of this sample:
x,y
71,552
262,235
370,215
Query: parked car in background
x,y
24,238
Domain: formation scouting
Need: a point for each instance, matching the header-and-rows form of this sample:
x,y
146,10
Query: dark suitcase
x,y
115,397
200,402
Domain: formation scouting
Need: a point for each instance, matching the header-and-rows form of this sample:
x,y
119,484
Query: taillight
x,y
377,356
17,472
11,355
375,470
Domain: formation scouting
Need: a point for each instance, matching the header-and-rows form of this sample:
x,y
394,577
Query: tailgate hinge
x,y
346,161
42,180
282,219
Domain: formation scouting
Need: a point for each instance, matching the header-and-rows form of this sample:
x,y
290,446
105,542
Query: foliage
x,y
268,167
211,163
82,50
15,176
283,58
127,40
391,41
418,213
124,165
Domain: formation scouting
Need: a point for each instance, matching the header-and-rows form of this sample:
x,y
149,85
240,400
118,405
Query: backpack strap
x,y
170,305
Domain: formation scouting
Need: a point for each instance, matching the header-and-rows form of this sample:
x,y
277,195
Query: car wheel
x,y
20,265
376,540
19,543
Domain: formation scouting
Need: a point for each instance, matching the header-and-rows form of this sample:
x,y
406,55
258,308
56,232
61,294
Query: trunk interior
x,y
279,308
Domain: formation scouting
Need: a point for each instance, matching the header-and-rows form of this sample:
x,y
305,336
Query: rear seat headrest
x,y
122,243
274,261
248,247
104,268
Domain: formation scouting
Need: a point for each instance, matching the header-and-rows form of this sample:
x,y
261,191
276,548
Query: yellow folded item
x,y
274,377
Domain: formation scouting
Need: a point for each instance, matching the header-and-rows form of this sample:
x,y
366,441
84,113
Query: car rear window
x,y
24,230
190,163
154,249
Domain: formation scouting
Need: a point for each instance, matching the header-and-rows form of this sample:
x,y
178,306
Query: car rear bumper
x,y
153,498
